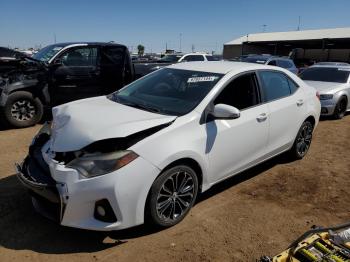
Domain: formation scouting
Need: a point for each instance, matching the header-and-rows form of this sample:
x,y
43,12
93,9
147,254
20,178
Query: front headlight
x,y
326,97
99,164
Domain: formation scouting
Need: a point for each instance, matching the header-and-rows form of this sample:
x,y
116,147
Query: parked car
x,y
145,152
333,63
61,73
273,61
142,69
333,84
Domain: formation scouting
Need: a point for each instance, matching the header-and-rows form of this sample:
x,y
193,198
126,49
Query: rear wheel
x,y
340,108
22,109
172,195
303,141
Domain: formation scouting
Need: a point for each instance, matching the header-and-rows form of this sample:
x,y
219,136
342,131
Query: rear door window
x,y
274,84
113,55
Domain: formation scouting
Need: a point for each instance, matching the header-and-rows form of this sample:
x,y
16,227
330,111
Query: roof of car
x,y
88,43
220,67
331,66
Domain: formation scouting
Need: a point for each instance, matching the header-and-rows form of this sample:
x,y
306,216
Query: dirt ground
x,y
258,212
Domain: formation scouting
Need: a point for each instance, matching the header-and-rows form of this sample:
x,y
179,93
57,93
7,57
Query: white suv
x,y
195,57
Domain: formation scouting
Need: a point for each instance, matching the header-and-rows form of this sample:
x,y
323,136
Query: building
x,y
317,45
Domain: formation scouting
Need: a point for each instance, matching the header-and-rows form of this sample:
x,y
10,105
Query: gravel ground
x,y
257,212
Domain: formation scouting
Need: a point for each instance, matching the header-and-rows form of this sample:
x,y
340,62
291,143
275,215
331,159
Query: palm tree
x,y
140,49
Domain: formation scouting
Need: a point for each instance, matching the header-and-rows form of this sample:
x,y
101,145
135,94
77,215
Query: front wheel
x,y
340,108
303,141
172,195
22,109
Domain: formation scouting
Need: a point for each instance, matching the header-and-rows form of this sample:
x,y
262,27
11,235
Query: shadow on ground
x,y
23,229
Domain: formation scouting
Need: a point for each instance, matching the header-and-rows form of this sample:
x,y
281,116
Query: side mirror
x,y
222,111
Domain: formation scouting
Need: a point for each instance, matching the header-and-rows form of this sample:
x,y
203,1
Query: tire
x,y
22,109
163,197
340,108
302,141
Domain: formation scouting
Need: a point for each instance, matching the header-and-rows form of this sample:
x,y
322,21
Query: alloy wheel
x,y
23,110
175,196
304,139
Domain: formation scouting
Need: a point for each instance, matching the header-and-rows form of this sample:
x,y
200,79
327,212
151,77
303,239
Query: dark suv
x,y
58,74
283,62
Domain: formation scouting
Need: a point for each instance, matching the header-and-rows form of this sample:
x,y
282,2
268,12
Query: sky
x,y
205,25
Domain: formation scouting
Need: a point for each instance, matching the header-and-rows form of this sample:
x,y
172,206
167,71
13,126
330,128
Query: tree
x,y
140,49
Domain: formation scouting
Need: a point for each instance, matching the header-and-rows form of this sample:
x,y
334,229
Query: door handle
x,y
300,102
262,117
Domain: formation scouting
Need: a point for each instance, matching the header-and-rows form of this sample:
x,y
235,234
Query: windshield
x,y
171,58
48,52
326,74
168,91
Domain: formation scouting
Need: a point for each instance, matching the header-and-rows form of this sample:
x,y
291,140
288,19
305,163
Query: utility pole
x,y
192,48
298,28
180,42
54,37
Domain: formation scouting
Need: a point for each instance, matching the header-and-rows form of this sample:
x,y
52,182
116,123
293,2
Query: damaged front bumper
x,y
62,194
34,174
45,192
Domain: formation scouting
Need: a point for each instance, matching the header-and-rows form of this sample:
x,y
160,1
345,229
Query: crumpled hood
x,y
326,87
78,124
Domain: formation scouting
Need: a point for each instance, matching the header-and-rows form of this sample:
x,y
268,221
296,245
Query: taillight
x,y
318,95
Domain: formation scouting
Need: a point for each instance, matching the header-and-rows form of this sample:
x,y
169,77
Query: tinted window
x,y
168,91
210,58
85,56
326,74
275,85
190,58
272,63
48,52
241,93
284,63
113,55
292,85
170,58
254,59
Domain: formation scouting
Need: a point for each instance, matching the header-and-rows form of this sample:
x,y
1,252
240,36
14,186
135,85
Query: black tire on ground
x,y
340,108
302,141
171,197
22,109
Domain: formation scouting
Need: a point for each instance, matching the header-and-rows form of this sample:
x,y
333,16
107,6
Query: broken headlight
x,y
91,165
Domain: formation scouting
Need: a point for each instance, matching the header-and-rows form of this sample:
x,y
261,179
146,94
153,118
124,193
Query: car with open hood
x,y
333,84
145,152
58,74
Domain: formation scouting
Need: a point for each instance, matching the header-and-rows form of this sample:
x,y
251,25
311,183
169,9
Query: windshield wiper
x,y
139,106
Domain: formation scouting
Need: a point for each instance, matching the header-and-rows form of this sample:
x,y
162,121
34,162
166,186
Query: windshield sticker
x,y
344,69
202,79
260,61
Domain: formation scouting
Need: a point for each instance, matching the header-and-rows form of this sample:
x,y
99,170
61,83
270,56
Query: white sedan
x,y
144,153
